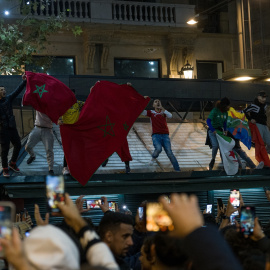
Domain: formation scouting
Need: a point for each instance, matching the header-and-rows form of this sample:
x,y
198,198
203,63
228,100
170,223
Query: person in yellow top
x,y
70,117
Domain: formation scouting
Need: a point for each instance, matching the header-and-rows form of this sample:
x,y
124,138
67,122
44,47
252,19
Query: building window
x,y
136,68
209,70
52,65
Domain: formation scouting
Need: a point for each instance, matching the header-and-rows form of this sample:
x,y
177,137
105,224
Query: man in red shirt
x,y
160,132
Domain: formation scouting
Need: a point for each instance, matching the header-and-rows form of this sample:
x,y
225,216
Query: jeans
x,y
245,157
237,149
163,140
214,143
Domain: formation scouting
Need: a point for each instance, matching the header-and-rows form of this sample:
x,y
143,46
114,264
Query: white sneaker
x,y
260,165
65,171
151,162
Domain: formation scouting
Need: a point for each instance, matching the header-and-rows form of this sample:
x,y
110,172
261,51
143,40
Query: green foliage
x,y
77,30
20,40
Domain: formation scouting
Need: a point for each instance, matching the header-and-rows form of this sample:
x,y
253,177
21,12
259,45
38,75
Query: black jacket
x,y
209,251
7,119
256,111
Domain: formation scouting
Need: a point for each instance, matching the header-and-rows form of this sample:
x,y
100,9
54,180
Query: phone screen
x,y
141,213
91,204
112,206
209,209
235,198
55,187
157,219
247,219
7,214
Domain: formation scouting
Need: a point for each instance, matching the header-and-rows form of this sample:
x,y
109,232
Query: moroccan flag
x,y
237,125
102,128
124,153
48,95
230,162
260,150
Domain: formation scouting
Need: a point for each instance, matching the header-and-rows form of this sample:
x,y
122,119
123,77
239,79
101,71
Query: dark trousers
x,y
64,162
7,137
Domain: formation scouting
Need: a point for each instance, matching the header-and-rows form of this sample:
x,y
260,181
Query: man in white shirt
x,y
41,132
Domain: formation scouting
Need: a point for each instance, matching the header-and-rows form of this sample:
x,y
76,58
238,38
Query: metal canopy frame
x,y
139,183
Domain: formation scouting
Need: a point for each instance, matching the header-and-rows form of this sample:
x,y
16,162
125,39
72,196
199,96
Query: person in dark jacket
x,y
204,246
256,114
8,130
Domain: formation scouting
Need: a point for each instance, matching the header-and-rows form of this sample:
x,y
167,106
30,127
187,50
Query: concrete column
x,y
240,33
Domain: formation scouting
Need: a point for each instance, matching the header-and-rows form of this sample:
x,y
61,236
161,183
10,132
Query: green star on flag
x,y
109,130
125,126
40,90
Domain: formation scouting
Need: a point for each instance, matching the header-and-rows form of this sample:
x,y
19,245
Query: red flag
x,y
260,150
48,95
123,152
105,120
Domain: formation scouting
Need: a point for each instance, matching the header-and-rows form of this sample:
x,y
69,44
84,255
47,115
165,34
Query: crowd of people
x,y
256,115
216,121
120,241
194,240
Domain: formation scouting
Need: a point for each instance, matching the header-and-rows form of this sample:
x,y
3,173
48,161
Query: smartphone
x,y
232,219
247,219
7,217
157,219
141,213
235,197
55,192
112,206
23,214
91,204
209,209
220,203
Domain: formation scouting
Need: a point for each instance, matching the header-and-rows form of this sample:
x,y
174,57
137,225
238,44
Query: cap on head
x,y
48,247
262,94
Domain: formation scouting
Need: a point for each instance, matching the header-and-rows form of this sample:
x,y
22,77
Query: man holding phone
x,y
8,130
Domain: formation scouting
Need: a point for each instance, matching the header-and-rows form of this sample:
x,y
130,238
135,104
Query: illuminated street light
x,y
243,79
192,22
187,70
6,12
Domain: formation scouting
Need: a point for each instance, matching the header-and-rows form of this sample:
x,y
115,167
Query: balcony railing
x,y
143,12
68,8
109,11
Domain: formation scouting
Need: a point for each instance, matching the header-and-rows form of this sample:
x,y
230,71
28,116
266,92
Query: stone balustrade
x,y
107,11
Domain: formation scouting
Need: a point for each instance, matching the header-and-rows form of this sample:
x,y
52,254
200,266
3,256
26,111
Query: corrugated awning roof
x,y
187,140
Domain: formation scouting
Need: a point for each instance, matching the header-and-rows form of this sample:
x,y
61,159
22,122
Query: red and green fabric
x,y
102,128
230,162
237,125
48,95
260,150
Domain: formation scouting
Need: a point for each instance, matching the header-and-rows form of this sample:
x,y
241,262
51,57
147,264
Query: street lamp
x,y
187,70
